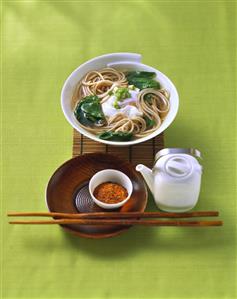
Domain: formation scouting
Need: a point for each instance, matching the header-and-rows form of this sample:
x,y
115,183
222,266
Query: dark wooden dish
x,y
67,192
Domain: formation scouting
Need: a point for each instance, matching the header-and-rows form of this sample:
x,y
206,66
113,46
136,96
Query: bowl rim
x,y
119,143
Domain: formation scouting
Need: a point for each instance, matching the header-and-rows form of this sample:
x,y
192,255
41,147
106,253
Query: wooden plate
x,y
67,192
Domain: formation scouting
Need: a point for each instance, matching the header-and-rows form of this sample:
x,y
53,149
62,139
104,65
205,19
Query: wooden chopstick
x,y
114,215
124,222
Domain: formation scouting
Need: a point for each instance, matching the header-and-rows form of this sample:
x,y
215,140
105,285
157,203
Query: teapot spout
x,y
147,175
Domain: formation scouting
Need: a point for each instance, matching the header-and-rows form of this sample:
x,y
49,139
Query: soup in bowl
x,y
115,99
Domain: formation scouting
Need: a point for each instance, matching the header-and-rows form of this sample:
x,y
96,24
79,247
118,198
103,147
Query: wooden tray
x,y
140,153
70,183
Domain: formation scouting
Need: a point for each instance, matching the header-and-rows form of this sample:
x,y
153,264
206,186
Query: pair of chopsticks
x,y
120,218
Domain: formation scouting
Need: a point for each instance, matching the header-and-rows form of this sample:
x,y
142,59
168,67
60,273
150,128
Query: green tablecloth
x,y
194,44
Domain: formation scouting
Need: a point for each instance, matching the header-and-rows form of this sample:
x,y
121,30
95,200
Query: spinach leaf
x,y
116,136
143,83
89,112
148,98
150,75
149,122
143,80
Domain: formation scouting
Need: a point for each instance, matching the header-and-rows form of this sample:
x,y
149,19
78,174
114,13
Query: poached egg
x,y
125,107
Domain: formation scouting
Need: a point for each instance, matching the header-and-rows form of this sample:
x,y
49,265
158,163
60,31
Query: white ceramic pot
x,y
175,179
128,61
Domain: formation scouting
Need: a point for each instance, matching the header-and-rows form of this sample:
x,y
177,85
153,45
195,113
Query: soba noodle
x,y
100,83
152,104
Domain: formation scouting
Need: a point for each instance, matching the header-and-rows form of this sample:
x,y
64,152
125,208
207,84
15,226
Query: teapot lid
x,y
189,151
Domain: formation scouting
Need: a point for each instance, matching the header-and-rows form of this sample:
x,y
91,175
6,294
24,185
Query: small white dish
x,y
114,176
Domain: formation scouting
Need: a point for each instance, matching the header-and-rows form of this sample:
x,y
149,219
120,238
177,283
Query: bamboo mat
x,y
140,153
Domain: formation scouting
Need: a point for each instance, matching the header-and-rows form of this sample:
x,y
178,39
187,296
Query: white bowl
x,y
128,61
114,176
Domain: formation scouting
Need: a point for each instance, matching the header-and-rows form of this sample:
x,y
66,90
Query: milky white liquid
x,y
176,193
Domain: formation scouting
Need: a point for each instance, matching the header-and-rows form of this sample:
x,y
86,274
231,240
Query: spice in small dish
x,y
110,192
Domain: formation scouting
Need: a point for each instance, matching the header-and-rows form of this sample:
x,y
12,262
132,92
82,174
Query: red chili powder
x,y
110,192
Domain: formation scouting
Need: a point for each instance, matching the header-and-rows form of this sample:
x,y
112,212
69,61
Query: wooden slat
x,y
91,146
143,153
122,152
159,143
77,144
140,153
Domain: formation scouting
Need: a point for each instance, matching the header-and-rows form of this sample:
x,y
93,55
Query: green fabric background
x,y
193,42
